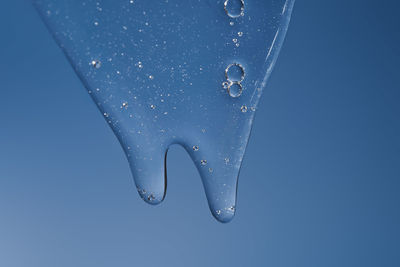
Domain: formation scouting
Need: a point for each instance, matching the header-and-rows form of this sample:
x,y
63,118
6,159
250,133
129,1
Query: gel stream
x,y
175,72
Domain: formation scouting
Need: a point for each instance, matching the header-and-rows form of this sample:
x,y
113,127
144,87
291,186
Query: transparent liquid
x,y
155,70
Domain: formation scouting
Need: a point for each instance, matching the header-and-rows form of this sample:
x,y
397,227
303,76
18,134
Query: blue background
x,y
319,184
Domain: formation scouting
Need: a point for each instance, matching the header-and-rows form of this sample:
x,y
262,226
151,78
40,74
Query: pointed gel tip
x,y
224,215
151,198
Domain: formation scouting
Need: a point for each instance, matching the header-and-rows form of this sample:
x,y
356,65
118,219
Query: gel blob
x,y
155,70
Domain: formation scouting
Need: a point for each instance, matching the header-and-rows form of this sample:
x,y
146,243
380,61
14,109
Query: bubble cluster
x,y
234,75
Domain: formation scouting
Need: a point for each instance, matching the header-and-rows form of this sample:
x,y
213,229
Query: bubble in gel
x,y
164,73
124,105
226,85
96,64
235,72
234,8
235,89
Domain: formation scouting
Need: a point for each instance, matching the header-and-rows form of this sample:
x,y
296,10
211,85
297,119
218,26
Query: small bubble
x,y
240,34
231,23
226,160
151,77
210,170
231,209
235,40
96,64
237,45
124,105
152,106
151,197
243,109
131,1
96,23
195,148
226,85
203,162
218,212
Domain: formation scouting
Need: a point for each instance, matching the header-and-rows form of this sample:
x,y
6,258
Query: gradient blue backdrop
x,y
319,185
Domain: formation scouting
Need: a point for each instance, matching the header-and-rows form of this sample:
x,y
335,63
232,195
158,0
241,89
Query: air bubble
x,y
235,89
203,162
124,105
235,72
226,85
234,8
96,64
243,109
195,148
